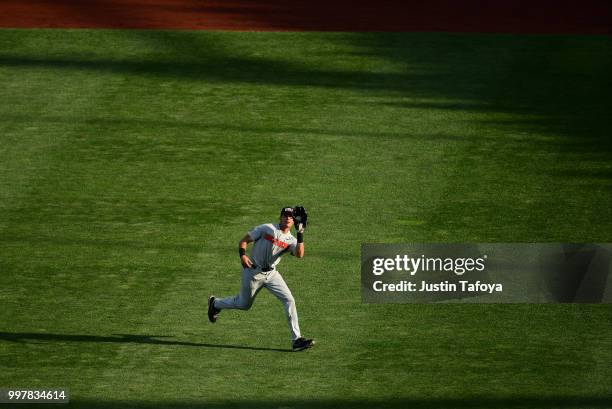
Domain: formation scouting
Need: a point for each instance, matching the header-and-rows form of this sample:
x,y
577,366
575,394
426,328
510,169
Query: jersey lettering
x,y
276,242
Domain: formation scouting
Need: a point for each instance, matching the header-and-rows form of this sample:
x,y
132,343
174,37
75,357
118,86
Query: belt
x,y
264,269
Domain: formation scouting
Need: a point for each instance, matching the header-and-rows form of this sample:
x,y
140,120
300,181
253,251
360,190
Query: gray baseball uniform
x,y
270,243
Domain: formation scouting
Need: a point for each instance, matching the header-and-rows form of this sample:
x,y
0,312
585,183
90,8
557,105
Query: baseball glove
x,y
301,218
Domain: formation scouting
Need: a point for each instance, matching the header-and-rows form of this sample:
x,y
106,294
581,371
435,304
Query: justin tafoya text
x,y
439,287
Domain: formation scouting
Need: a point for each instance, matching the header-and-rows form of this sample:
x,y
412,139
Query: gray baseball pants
x,y
254,280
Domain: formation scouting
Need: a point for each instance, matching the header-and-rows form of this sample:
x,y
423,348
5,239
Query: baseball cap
x,y
287,210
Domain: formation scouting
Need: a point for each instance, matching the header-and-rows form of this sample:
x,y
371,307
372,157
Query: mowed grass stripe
x,y
168,146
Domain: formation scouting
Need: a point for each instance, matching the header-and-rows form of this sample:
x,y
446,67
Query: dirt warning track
x,y
501,16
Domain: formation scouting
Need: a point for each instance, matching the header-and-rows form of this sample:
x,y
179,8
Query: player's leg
x,y
250,285
277,286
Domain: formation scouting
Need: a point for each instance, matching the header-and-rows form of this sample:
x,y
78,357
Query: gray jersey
x,y
270,244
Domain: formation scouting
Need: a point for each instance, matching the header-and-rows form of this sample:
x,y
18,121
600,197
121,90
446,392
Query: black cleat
x,y
213,313
301,344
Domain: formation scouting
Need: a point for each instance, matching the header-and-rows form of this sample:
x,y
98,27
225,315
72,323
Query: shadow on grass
x,y
25,239
31,337
214,129
554,84
485,402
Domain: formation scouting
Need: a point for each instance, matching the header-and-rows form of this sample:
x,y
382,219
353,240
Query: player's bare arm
x,y
242,245
299,250
300,220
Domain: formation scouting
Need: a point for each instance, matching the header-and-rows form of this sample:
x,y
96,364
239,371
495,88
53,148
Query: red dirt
x,y
500,16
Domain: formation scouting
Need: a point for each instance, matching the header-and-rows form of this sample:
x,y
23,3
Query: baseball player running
x,y
259,270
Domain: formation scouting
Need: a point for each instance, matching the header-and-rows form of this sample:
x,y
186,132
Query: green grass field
x,y
132,162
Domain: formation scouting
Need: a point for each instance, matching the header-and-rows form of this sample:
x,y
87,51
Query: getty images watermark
x,y
486,273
